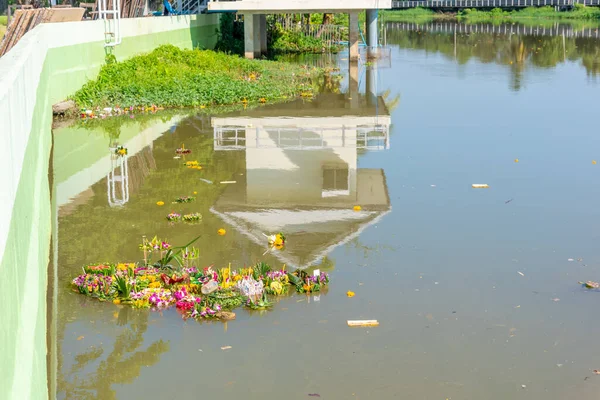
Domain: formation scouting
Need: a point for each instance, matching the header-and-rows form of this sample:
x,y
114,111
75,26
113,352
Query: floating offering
x,y
185,199
173,217
194,292
121,151
193,217
590,284
480,186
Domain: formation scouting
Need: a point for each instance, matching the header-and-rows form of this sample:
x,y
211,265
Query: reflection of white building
x,y
302,178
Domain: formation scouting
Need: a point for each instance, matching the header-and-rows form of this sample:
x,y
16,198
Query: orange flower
x,y
221,232
350,293
357,208
117,301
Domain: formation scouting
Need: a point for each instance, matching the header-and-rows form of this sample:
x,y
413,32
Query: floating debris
x,y
520,273
350,293
206,181
369,322
160,203
227,182
357,208
480,186
590,284
221,232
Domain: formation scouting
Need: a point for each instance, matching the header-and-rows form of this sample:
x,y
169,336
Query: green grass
x,y
3,23
172,77
417,14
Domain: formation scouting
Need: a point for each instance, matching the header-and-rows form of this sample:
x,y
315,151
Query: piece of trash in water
x,y
596,372
519,306
432,185
555,299
516,160
350,293
591,284
594,162
480,186
225,182
508,201
524,386
314,395
520,273
366,322
80,337
176,158
225,347
570,259
206,180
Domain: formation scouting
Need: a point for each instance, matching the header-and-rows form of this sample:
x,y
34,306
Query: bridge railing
x,y
490,3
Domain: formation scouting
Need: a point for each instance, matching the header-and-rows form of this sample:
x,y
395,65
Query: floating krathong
x,y
194,292
183,150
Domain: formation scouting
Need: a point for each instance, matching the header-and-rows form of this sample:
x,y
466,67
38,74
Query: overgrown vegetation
x,y
281,40
172,77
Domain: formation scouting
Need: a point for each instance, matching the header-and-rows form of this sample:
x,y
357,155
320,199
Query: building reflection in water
x,y
302,176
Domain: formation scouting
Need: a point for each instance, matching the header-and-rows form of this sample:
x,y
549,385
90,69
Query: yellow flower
x,y
263,100
350,293
357,208
160,203
151,278
516,160
306,288
276,287
154,285
122,152
202,106
237,278
117,301
195,192
221,232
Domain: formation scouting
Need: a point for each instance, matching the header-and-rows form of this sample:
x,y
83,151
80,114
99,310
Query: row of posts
x,y
255,35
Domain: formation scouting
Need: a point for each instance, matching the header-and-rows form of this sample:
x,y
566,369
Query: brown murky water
x,y
474,289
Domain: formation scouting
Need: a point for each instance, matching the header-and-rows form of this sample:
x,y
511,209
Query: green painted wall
x,y
23,287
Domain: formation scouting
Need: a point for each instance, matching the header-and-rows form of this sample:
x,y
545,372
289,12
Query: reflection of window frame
x,y
335,191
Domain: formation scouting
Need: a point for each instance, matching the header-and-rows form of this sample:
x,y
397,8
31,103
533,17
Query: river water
x,y
476,290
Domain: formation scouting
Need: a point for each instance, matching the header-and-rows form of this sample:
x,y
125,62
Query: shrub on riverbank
x,y
172,77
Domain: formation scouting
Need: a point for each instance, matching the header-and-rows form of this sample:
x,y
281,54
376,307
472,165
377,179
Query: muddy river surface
x,y
476,290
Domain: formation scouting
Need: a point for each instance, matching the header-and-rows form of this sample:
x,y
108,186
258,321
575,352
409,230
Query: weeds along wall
x,y
48,64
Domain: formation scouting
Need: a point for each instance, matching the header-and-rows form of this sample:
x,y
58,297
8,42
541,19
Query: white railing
x,y
504,29
490,3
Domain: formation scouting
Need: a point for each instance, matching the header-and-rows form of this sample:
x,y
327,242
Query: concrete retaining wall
x,y
48,64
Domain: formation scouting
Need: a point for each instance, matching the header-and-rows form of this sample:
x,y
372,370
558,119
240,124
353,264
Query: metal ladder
x,y
112,25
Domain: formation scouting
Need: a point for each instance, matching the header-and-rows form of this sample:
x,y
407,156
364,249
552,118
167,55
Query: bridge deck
x,y
457,4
